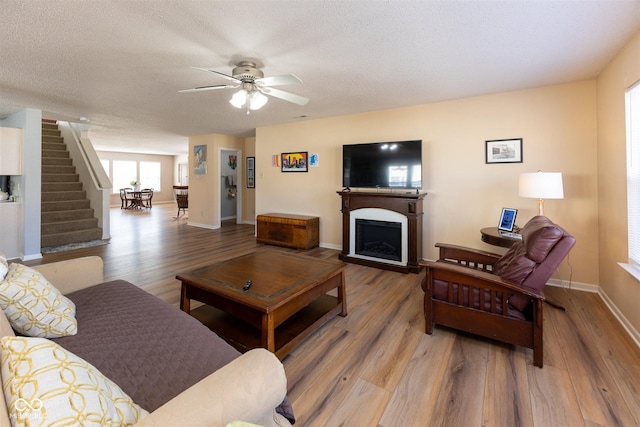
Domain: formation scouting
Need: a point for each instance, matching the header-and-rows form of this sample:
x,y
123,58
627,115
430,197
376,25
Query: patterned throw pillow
x,y
44,383
34,307
4,267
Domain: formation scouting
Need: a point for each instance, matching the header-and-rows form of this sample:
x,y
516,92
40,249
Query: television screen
x,y
395,164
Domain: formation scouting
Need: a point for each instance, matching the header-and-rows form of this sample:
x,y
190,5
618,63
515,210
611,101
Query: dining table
x,y
134,198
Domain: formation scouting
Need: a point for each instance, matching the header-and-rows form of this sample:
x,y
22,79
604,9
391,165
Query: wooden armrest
x,y
469,257
476,278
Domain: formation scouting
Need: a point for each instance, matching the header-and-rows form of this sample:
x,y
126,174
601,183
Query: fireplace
x,y
378,235
379,239
382,230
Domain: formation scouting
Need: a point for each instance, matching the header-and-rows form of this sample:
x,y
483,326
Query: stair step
x,y
71,237
55,153
57,161
48,228
57,216
50,131
59,196
65,205
61,186
54,146
60,177
52,138
58,170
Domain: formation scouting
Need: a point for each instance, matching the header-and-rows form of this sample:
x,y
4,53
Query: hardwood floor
x,y
377,367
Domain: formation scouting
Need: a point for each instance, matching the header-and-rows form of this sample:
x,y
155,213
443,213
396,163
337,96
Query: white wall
x,y
30,121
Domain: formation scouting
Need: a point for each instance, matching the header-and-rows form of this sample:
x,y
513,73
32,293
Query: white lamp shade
x,y
541,185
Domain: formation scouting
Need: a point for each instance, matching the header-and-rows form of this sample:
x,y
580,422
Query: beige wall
x,y
166,167
617,284
557,123
204,190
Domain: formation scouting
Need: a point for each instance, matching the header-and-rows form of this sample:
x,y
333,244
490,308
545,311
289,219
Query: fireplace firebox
x,y
379,239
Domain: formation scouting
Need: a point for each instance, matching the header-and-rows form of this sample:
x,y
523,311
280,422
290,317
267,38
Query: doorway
x,y
230,209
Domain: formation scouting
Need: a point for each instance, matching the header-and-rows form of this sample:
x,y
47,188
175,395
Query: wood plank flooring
x,y
376,367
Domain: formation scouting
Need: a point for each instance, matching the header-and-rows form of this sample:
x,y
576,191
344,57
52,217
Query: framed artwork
x,y
507,219
503,151
251,172
200,159
294,162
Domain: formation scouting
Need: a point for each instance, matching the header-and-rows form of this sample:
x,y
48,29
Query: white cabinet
x,y
10,228
10,151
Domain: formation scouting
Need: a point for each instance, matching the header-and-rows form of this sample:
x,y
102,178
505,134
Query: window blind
x,y
633,172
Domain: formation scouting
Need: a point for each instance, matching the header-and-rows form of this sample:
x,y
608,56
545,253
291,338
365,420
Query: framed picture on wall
x,y
200,159
251,172
503,151
295,162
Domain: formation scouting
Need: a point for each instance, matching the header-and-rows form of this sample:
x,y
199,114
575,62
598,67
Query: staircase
x,y
66,213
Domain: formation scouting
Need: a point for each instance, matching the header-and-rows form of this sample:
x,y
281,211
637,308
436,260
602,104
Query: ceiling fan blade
x,y
287,96
225,76
203,88
288,79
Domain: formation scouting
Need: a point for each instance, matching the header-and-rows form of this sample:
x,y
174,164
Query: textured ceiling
x,y
121,63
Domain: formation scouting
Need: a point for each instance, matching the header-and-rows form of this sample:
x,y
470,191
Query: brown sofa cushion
x,y
151,349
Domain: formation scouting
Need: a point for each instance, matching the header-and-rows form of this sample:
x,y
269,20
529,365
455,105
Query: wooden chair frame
x,y
470,271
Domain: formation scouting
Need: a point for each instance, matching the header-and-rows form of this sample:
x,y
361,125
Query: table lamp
x,y
541,185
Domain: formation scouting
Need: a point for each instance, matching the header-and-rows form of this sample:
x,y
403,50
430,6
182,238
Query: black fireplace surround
x,y
379,239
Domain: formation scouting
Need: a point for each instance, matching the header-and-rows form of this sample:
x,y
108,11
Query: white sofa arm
x,y
74,274
248,388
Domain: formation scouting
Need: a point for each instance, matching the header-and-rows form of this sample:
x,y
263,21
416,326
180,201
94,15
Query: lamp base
x,y
540,207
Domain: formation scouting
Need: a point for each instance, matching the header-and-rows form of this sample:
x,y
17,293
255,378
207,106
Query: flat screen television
x,y
396,164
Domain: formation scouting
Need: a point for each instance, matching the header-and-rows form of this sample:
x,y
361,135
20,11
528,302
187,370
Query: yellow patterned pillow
x,y
44,384
34,307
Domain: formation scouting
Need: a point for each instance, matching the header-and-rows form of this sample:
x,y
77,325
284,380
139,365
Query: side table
x,y
492,236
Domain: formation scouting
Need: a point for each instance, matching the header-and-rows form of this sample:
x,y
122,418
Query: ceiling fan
x,y
253,86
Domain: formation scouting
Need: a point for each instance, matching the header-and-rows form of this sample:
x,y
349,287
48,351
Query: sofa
x,y
155,359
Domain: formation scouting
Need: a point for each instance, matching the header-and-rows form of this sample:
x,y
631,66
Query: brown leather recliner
x,y
496,296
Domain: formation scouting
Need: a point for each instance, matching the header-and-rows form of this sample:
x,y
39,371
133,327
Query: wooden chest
x,y
293,231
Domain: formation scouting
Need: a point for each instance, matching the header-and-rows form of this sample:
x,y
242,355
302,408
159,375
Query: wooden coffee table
x,y
287,299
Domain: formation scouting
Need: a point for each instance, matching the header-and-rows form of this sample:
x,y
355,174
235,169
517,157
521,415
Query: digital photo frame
x,y
507,219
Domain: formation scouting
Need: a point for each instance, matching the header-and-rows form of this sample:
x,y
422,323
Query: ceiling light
x,y
239,98
257,100
252,99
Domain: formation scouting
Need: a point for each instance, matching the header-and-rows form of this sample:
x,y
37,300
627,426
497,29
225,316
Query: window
x,y
150,175
124,171
633,177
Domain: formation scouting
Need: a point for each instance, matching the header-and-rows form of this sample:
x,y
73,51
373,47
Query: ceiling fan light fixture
x,y
239,98
257,100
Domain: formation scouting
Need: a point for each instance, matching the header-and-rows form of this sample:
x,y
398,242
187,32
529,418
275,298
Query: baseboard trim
x,y
210,227
633,332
